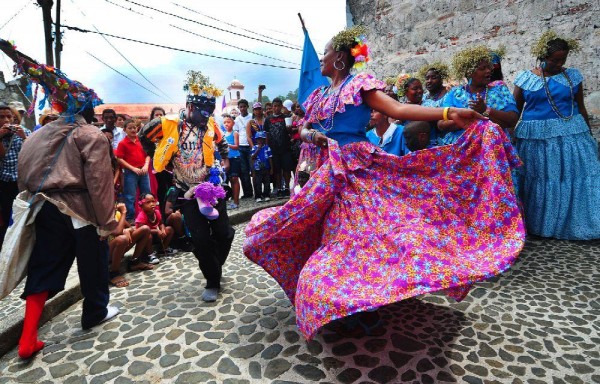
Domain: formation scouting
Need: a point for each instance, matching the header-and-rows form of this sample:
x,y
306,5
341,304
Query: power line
x,y
212,26
229,45
177,49
16,14
230,24
125,76
125,58
129,9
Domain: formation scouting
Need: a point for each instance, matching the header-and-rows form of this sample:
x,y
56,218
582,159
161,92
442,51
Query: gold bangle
x,y
445,114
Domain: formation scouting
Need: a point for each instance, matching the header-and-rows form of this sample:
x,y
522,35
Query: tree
x,y
291,95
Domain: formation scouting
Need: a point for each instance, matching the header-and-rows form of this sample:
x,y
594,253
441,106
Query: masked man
x,y
67,166
191,146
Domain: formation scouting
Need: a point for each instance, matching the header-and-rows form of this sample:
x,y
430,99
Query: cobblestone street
x,y
538,323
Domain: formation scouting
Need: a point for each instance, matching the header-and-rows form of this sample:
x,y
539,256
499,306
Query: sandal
x,y
118,281
138,265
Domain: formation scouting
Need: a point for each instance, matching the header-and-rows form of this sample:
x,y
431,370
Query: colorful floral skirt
x,y
370,229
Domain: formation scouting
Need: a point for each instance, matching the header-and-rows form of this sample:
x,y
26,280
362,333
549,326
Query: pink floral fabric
x,y
370,229
319,104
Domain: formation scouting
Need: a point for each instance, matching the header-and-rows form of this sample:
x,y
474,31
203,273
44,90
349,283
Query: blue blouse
x,y
497,97
392,142
348,127
537,105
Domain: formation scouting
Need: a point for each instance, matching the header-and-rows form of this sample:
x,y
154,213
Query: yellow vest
x,y
168,144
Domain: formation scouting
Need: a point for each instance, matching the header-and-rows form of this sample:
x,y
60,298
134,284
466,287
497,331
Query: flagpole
x,y
301,21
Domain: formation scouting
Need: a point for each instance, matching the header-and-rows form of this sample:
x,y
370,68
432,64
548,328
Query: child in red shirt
x,y
135,163
150,215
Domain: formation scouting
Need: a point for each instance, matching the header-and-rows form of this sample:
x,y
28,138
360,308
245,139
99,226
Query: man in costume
x,y
189,144
67,166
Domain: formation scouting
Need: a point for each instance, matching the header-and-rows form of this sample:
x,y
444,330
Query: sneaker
x,y
286,192
152,259
259,200
280,194
267,199
232,206
169,251
210,295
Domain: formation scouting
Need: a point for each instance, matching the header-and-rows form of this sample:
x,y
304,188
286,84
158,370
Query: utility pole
x,y
58,46
47,13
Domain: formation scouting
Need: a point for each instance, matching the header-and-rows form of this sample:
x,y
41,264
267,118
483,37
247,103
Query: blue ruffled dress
x,y
498,97
560,179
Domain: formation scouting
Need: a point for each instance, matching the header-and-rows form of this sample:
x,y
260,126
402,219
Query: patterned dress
x,y
370,228
560,179
497,96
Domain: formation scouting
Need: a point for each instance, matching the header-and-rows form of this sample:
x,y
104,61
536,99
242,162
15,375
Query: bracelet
x,y
487,111
445,114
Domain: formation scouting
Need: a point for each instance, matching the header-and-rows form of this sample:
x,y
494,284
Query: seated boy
x,y
159,233
120,241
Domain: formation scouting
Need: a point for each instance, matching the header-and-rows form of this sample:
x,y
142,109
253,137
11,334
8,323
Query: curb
x,y
11,327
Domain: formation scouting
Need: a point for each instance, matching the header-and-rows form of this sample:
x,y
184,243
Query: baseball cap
x,y
288,104
257,105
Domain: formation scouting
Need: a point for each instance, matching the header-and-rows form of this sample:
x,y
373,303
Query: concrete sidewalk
x,y
12,307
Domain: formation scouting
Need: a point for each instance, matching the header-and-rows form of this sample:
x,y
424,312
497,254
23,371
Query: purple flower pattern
x,y
370,229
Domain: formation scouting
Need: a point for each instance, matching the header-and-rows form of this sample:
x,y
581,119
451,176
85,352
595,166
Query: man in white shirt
x,y
109,117
245,151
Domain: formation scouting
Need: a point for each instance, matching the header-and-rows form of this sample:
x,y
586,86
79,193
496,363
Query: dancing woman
x,y
561,172
369,228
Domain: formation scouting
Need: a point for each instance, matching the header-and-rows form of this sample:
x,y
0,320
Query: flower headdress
x,y
401,82
64,94
437,66
466,61
540,49
354,40
199,88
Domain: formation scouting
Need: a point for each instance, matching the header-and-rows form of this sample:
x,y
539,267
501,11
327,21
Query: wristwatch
x,y
487,111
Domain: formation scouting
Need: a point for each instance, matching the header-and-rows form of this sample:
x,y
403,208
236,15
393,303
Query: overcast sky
x,y
166,68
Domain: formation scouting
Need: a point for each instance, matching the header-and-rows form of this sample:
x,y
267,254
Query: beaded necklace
x,y
551,100
328,124
437,96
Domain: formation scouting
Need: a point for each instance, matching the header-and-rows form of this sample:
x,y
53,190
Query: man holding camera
x,y
12,137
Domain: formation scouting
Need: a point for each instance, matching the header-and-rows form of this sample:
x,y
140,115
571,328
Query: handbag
x,y
20,235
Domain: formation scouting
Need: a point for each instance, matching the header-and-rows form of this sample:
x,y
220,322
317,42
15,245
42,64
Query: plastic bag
x,y
18,242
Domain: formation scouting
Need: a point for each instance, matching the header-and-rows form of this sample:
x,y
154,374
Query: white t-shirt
x,y
240,128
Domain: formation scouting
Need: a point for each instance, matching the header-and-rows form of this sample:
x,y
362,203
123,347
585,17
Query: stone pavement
x,y
538,323
12,307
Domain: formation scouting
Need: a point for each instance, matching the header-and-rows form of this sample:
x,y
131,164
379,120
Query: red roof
x,y
137,110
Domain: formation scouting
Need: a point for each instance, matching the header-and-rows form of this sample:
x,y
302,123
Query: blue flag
x,y
310,72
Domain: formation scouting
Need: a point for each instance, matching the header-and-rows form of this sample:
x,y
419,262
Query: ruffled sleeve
x,y
351,93
574,75
320,104
528,81
499,97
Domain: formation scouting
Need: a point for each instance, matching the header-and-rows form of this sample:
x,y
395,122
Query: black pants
x,y
164,180
212,240
262,183
8,192
57,245
246,165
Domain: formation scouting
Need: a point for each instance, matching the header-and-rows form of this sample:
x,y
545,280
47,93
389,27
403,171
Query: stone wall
x,y
13,91
405,34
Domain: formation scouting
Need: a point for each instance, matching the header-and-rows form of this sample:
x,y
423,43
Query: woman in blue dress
x,y
560,179
434,75
491,99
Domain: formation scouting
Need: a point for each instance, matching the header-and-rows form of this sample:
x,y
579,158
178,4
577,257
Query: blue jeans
x,y
131,182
